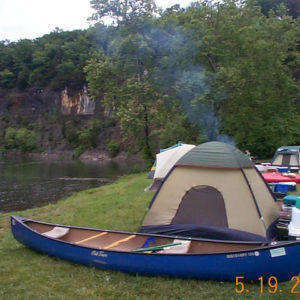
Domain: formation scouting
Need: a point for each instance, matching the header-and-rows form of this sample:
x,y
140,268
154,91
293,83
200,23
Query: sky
x,y
29,19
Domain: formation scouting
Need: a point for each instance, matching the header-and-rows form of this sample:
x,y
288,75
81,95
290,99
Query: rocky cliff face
x,y
48,113
33,102
28,104
78,102
59,118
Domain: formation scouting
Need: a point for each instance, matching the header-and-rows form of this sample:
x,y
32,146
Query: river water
x,y
26,183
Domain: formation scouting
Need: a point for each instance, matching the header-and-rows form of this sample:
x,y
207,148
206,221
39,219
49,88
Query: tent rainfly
x,y
153,168
213,191
165,160
287,156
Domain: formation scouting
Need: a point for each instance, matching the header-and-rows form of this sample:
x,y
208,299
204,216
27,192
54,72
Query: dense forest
x,y
226,70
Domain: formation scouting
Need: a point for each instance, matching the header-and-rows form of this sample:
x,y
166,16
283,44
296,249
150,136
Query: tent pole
x,y
158,190
254,198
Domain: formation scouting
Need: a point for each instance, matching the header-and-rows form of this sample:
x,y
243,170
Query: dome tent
x,y
213,191
165,160
153,168
287,156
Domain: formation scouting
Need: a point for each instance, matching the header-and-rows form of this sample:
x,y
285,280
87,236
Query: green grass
x,y
26,274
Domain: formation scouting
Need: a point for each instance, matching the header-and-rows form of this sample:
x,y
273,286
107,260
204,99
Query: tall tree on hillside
x,y
293,6
247,58
130,79
54,60
121,10
129,88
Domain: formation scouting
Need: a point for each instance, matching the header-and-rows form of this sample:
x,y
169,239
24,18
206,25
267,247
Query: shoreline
x,y
47,177
89,155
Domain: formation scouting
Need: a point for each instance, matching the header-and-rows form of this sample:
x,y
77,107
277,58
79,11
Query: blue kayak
x,y
160,255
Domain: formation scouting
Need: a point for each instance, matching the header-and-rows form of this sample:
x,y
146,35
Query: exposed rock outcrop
x,y
58,118
51,114
78,102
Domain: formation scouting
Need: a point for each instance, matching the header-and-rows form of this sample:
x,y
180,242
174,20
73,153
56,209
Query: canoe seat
x,y
182,248
56,232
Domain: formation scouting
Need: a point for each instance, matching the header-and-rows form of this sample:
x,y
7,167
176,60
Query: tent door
x,y
202,205
286,160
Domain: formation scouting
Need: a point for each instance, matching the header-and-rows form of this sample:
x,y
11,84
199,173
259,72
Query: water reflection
x,y
27,183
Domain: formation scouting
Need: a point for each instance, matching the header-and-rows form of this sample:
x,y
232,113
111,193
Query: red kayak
x,y
277,177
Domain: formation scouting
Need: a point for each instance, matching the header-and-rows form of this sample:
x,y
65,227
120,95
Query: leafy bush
x,y
113,148
20,139
10,138
70,133
87,136
84,138
135,169
78,151
6,79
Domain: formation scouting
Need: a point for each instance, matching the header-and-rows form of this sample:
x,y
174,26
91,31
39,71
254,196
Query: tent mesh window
x,y
202,205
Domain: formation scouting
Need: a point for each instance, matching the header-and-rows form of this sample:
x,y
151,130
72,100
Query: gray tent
x,y
287,156
213,191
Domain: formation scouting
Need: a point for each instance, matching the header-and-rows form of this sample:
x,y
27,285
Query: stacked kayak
x,y
281,177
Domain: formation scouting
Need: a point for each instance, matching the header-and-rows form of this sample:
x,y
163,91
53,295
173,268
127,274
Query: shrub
x,y
78,151
87,136
113,148
10,138
70,133
21,139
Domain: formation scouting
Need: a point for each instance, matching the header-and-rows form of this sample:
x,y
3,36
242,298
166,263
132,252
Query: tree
x,y
293,6
54,60
175,125
247,58
87,136
138,75
125,77
121,10
7,79
267,5
127,89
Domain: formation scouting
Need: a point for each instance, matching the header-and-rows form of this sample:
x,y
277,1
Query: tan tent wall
x,y
278,160
240,207
293,160
264,198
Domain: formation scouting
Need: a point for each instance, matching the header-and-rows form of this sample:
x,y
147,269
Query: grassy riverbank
x,y
25,274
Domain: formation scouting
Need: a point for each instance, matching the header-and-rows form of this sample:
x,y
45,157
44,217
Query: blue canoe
x,y
160,255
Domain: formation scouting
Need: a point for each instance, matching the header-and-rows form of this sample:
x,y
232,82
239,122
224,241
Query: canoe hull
x,y
282,261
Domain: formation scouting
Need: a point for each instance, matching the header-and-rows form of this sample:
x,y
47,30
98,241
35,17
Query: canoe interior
x,y
118,241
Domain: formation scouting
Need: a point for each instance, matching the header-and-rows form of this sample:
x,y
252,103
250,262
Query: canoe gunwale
x,y
264,246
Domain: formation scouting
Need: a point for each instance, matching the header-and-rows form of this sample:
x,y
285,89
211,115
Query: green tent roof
x,y
217,155
288,149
